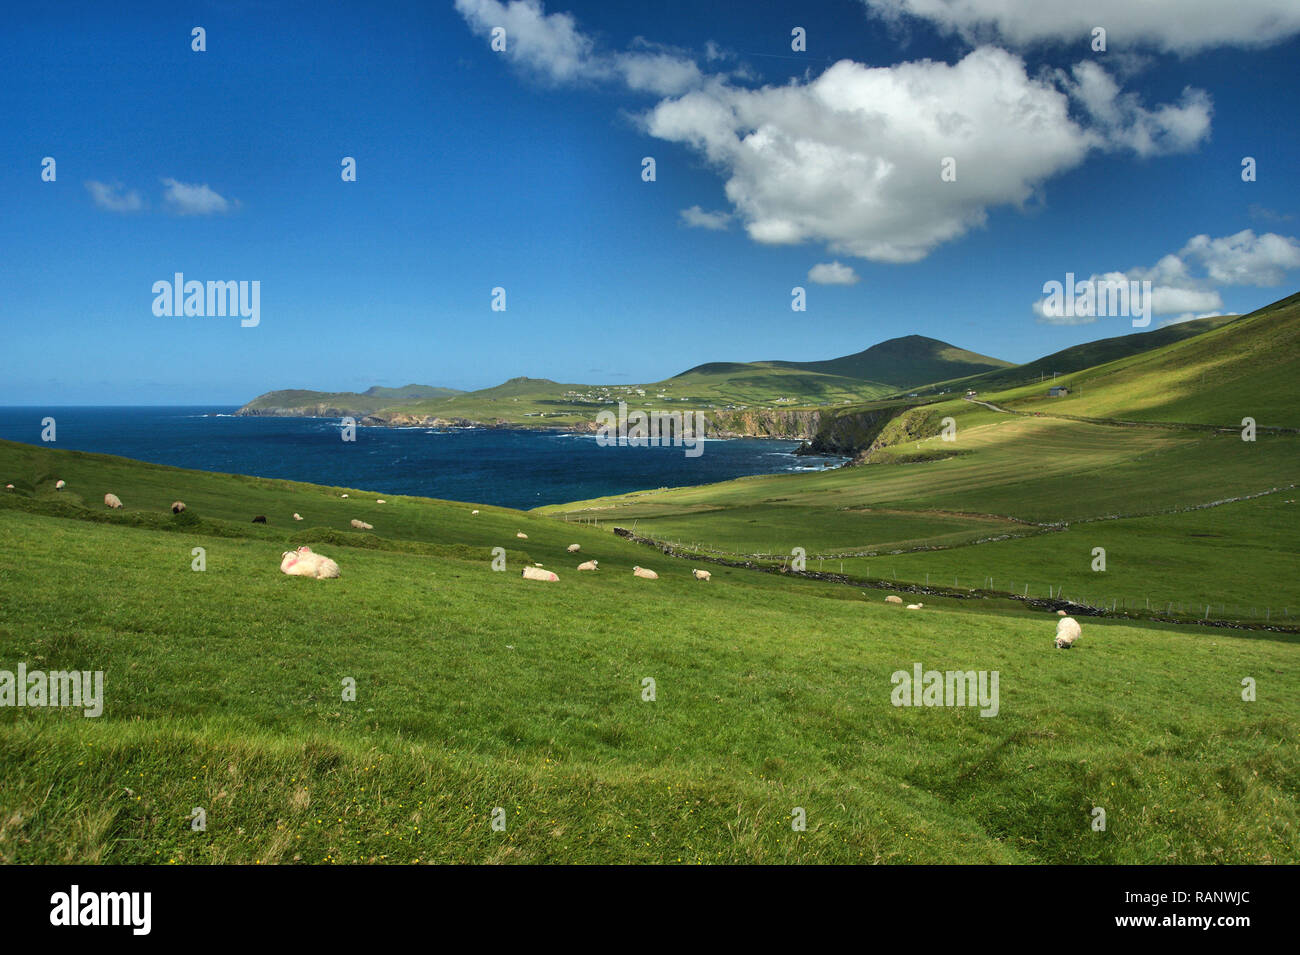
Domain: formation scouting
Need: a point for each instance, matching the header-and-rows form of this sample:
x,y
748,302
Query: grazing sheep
x,y
473,512
701,575
297,516
647,574
1067,631
178,506
915,606
112,500
573,548
891,599
304,563
522,536
536,573
9,487
589,565
60,484
381,502
342,495
260,519
362,525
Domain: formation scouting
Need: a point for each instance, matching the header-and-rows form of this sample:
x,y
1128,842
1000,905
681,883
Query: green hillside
x,y
1245,367
480,693
906,362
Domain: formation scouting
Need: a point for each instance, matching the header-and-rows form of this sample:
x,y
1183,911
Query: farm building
x,y
1058,391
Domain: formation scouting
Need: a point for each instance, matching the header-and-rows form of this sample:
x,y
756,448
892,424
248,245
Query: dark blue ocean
x,y
520,469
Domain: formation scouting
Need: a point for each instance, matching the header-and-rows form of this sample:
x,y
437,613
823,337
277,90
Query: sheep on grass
x,y
1067,631
362,525
645,574
589,565
297,516
915,606
522,536
304,563
260,519
573,548
60,484
536,573
178,506
891,599
701,575
113,501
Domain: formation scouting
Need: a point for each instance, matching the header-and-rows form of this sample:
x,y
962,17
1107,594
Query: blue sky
x,y
522,169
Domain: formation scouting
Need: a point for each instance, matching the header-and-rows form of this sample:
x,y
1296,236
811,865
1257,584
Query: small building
x,y
1058,391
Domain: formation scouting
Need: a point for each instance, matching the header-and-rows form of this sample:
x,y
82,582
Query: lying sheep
x,y
536,573
297,516
381,502
112,500
915,606
1067,631
362,525
522,536
178,506
304,563
646,574
589,565
891,599
1060,613
10,487
701,575
342,495
573,548
60,484
260,519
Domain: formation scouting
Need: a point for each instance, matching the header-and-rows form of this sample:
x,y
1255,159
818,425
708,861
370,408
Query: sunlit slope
x,y
1246,368
477,690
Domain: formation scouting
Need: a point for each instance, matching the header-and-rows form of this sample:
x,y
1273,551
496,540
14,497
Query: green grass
x,y
479,690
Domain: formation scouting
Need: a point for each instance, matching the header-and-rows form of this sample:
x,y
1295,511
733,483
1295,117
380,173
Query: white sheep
x,y
60,484
380,502
522,536
473,512
304,563
891,599
1067,631
342,495
113,501
178,506
645,574
362,525
701,575
536,573
589,565
915,606
573,548
297,516
1060,613
9,487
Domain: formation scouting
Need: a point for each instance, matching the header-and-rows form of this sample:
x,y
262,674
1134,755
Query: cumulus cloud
x,y
852,158
698,218
1178,26
1183,284
114,197
192,200
832,273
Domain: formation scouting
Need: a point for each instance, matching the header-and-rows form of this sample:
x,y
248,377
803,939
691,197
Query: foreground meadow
x,y
481,696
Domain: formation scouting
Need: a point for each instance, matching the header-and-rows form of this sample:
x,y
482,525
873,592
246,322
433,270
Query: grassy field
x,y
478,691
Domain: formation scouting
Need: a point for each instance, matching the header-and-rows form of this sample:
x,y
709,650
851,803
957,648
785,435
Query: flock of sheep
x,y
305,563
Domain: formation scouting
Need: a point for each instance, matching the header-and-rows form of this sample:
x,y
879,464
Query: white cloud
x,y
114,197
1126,123
851,158
191,200
832,273
1244,258
1180,26
550,45
1176,289
698,218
